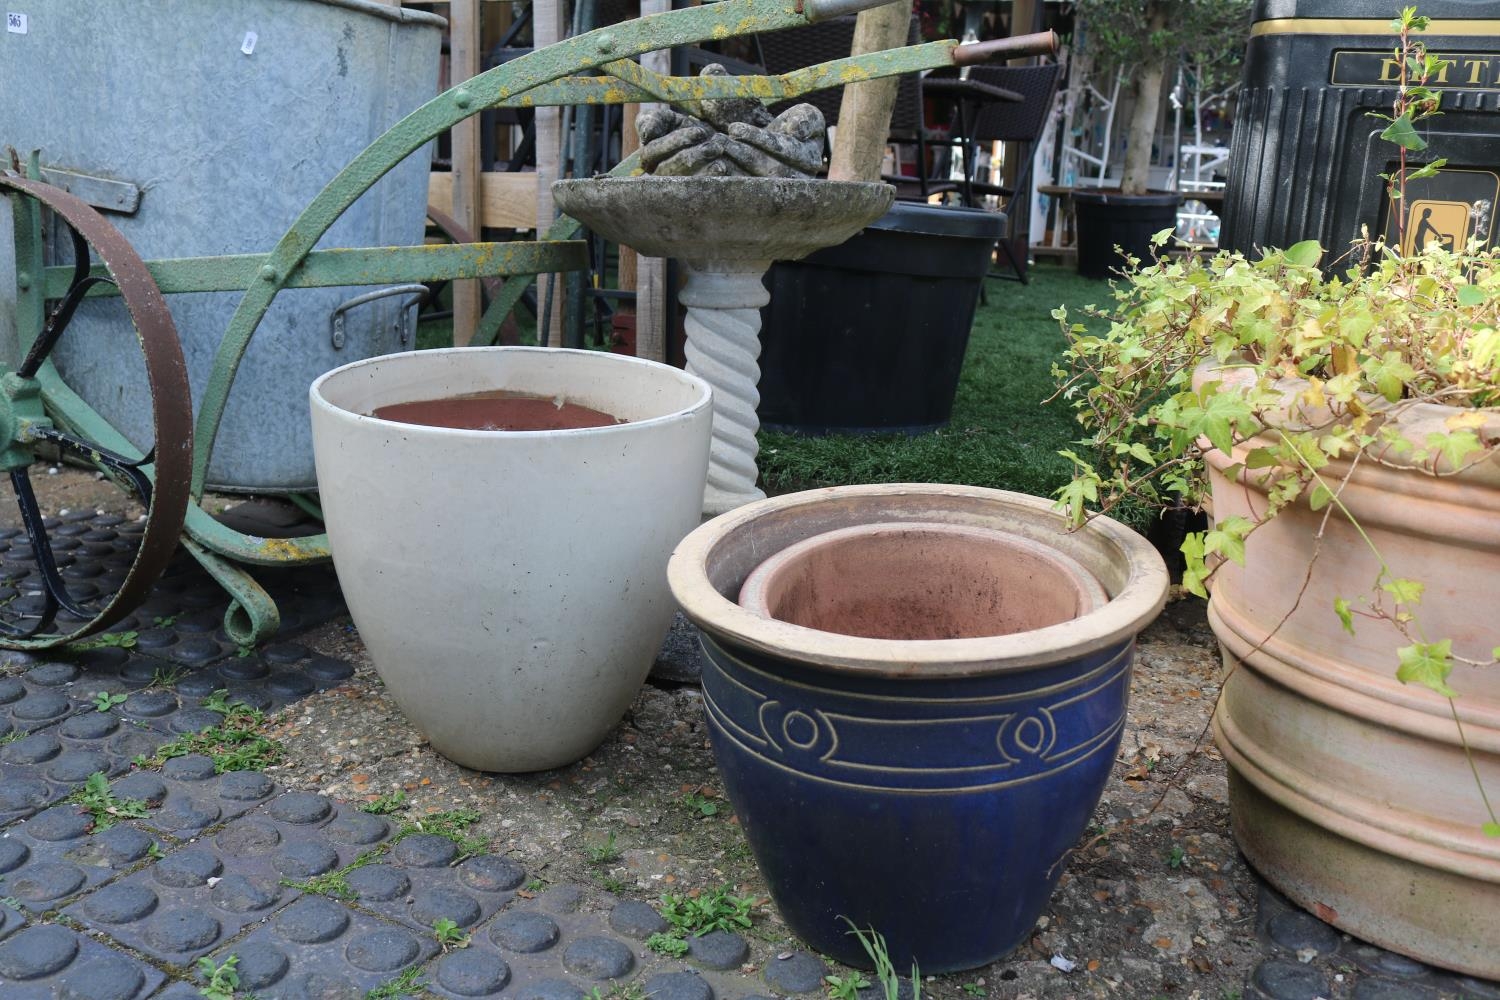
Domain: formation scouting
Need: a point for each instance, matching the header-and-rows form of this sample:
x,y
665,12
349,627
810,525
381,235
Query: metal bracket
x,y
403,329
103,193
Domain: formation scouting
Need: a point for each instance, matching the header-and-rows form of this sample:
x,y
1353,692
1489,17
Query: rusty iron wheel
x,y
160,479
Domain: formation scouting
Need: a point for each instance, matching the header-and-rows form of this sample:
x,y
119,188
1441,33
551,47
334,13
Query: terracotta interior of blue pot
x,y
920,582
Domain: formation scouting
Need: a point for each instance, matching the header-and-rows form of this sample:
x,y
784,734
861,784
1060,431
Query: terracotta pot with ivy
x,y
1343,427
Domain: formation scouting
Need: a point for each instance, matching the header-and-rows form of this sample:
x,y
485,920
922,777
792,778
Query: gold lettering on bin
x,y
1377,67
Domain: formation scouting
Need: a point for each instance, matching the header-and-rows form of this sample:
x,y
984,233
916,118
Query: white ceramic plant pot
x,y
510,586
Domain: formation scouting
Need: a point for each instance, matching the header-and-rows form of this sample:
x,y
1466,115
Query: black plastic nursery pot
x,y
1109,219
868,337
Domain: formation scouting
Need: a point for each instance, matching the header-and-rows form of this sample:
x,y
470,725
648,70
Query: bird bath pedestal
x,y
727,231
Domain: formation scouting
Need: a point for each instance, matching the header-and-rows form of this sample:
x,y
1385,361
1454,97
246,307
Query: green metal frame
x,y
544,77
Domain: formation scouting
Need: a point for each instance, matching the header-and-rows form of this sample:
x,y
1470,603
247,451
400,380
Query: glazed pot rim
x,y
704,398
1089,590
1131,571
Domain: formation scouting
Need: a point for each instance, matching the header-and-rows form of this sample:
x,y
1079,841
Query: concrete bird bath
x,y
727,231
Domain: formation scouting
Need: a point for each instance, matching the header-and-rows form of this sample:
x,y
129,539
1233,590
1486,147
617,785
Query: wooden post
x,y
1023,19
463,44
651,320
630,141
547,29
865,114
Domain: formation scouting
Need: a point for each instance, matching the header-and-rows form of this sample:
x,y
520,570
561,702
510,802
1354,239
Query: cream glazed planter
x,y
1349,790
510,586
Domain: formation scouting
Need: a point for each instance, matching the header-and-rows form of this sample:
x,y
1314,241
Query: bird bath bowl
x,y
727,231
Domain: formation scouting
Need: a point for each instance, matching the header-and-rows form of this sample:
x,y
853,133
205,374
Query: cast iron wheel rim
x,y
164,491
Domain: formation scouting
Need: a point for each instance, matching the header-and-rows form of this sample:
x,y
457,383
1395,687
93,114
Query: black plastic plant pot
x,y
1109,219
868,337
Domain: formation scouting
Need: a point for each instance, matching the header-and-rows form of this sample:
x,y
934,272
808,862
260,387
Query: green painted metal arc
x,y
252,617
647,34
629,83
251,549
69,412
352,266
871,66
835,73
563,228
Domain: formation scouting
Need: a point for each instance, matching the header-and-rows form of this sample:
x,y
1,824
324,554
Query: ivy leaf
x,y
1404,590
1402,134
1222,411
1228,539
1491,829
1428,664
1455,447
1390,373
1077,495
1194,572
1158,239
1321,495
1261,458
1304,254
1346,619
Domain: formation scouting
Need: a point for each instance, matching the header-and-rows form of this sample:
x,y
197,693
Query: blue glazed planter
x,y
930,789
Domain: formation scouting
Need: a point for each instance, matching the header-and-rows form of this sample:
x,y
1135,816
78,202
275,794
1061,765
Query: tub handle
x,y
405,318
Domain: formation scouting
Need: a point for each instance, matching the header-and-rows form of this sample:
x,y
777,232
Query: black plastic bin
x,y
1306,156
1108,219
868,337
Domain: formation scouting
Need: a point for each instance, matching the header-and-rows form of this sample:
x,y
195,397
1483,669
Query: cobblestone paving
x,y
124,877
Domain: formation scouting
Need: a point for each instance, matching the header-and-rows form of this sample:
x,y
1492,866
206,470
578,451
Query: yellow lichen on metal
x,y
290,549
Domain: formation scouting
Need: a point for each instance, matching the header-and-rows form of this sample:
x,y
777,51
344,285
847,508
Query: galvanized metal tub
x,y
221,122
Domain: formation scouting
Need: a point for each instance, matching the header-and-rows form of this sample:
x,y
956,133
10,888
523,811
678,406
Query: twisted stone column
x,y
723,345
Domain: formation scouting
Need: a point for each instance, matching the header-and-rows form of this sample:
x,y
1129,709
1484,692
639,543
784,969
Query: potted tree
x,y
1143,39
1343,428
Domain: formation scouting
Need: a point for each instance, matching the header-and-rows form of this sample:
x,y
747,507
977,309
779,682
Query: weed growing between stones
x,y
452,824
107,809
699,804
335,884
603,854
449,935
385,805
119,640
223,980
885,973
408,984
667,944
719,910
167,677
617,991
235,744
845,987
104,701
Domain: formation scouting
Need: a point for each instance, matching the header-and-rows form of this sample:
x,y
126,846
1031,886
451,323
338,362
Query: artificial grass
x,y
1001,434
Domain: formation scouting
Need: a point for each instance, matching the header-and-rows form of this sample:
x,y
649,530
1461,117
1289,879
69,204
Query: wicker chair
x,y
1007,121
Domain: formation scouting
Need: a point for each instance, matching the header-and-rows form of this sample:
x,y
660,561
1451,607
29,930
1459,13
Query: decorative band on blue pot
x,y
928,789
